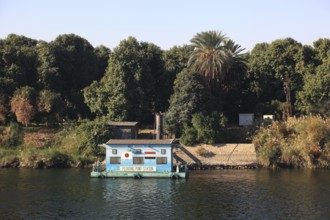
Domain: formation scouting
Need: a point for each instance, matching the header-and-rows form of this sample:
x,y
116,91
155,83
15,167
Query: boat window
x,y
114,151
114,160
163,151
138,160
161,160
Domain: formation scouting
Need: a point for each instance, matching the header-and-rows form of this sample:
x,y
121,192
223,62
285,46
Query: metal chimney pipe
x,y
159,126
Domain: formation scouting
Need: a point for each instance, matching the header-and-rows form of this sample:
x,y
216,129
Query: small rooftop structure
x,y
124,129
122,123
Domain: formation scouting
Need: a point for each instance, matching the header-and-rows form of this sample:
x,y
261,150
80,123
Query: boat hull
x,y
120,174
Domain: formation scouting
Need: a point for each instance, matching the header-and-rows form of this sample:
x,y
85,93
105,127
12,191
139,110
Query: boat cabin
x,y
139,158
139,155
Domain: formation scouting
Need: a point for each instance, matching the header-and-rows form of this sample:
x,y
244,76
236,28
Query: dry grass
x,y
39,139
298,142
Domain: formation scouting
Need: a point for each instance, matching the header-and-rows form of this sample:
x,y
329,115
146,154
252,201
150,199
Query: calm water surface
x,y
223,194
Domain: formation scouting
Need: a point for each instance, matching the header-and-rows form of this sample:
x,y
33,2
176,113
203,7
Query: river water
x,y
220,194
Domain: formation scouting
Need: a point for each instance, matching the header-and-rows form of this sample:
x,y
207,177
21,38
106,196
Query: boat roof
x,y
122,123
140,141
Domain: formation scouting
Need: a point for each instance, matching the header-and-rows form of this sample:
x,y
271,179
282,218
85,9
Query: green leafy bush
x,y
44,158
81,142
8,157
191,95
189,135
209,127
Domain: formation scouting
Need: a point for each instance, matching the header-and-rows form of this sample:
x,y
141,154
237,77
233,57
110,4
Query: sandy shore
x,y
219,154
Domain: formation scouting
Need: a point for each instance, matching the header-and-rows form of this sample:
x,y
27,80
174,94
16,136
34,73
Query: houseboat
x,y
140,158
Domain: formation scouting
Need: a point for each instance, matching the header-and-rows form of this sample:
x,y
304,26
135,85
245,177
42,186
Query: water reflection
x,y
223,194
128,198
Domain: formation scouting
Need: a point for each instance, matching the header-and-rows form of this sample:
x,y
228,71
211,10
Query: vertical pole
x,y
159,126
287,90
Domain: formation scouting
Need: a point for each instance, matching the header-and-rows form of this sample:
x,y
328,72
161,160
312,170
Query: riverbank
x,y
297,143
218,156
72,145
77,146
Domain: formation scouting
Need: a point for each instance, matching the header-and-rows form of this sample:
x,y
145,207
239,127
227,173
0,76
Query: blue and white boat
x,y
140,158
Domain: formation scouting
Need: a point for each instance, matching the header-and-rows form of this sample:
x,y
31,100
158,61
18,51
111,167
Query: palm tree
x,y
217,58
237,64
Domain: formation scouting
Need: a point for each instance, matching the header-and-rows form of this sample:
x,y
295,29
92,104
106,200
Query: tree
x,y
221,62
191,95
7,86
3,109
49,76
77,68
18,58
217,58
209,56
97,97
50,106
208,126
102,54
284,56
176,59
314,98
237,65
322,47
135,84
271,68
23,105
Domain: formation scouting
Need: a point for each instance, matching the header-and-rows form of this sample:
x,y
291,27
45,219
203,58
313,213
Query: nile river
x,y
221,194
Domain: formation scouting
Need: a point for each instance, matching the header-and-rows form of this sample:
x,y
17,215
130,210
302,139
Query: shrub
x,y
268,145
209,127
189,135
23,105
8,157
191,95
12,136
298,142
201,151
81,142
55,158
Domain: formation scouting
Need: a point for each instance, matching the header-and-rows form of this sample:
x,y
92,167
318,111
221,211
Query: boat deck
x,y
120,174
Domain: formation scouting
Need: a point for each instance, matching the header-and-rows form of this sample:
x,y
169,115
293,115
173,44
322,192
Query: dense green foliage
x,y
57,71
263,90
136,79
314,98
302,142
209,127
85,138
217,58
68,79
74,145
191,95
221,61
204,128
135,85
